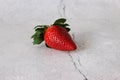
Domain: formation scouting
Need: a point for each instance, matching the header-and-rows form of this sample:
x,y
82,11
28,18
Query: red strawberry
x,y
55,36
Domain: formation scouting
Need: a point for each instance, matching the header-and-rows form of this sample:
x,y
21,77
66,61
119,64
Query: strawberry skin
x,y
58,38
55,36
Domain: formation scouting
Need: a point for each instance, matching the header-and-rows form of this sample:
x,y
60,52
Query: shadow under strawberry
x,y
83,40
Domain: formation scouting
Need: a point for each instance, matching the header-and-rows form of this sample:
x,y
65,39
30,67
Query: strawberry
x,y
55,36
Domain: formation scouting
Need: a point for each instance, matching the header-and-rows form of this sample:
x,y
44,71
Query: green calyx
x,y
38,36
61,22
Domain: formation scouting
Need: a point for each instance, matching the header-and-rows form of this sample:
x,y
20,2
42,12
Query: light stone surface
x,y
95,28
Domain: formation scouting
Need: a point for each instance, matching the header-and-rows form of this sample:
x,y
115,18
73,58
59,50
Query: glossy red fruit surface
x,y
58,38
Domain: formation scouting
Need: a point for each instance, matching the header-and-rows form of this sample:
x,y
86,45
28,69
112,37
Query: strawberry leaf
x,y
68,29
37,40
38,36
66,25
41,26
63,25
59,21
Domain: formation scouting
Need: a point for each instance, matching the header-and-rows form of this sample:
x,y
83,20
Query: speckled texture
x,y
95,28
58,38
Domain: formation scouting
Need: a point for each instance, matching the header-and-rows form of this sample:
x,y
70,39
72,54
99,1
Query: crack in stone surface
x,y
72,60
85,78
61,11
78,61
61,8
75,65
73,37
